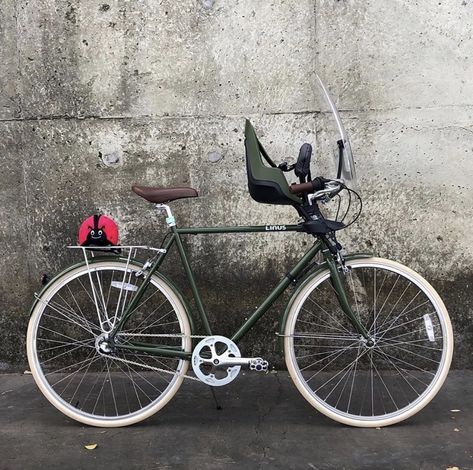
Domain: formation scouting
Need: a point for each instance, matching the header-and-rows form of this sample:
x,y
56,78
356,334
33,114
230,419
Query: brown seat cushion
x,y
161,195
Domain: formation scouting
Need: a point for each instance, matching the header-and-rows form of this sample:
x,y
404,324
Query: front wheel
x,y
71,358
377,382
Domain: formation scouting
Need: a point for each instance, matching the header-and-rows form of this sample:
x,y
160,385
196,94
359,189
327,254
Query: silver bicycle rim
x,y
343,383
141,378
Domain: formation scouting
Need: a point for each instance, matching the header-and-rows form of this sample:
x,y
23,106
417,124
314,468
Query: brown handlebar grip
x,y
301,188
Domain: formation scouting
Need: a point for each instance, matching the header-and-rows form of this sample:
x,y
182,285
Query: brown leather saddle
x,y
162,195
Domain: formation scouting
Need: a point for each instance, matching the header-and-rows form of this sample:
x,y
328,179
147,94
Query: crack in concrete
x,y
306,112
262,417
28,222
152,116
18,67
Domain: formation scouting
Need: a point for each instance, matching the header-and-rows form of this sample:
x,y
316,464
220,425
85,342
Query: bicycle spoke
x,y
135,384
334,356
67,317
142,377
326,324
68,367
323,325
412,343
73,374
331,316
353,380
64,344
111,387
149,316
324,353
410,352
339,372
395,305
62,335
325,336
155,323
80,318
400,370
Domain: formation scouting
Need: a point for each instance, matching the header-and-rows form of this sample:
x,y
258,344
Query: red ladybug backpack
x,y
98,230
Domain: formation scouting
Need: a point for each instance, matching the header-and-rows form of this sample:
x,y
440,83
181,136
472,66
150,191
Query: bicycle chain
x,y
158,369
175,335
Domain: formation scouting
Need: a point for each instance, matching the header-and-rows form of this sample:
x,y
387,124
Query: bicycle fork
x,y
337,283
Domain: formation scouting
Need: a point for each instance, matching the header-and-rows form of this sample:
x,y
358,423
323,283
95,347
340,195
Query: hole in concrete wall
x,y
208,3
110,158
214,156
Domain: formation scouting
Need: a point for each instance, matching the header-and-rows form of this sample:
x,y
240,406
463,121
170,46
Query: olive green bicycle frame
x,y
290,278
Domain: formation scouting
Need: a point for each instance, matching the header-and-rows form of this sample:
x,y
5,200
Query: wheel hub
x,y
369,343
102,344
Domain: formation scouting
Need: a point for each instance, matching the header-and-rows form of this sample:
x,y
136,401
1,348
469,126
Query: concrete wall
x,y
95,96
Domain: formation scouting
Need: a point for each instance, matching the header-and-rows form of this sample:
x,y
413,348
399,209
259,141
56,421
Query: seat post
x,y
170,220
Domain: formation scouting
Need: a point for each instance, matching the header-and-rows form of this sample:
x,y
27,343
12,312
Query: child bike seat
x,y
266,184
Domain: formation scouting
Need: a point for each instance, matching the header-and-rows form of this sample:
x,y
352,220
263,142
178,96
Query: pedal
x,y
259,364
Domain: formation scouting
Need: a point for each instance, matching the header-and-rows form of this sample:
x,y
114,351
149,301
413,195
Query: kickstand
x,y
215,398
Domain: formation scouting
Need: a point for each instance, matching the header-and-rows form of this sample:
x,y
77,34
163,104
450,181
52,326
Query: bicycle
x,y
367,341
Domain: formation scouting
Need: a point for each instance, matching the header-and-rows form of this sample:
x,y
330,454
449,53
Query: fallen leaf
x,y
455,411
27,372
91,446
456,430
453,468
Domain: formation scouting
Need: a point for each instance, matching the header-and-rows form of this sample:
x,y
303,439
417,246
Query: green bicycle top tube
x,y
239,229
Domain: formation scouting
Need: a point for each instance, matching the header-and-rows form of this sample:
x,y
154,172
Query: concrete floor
x,y
264,423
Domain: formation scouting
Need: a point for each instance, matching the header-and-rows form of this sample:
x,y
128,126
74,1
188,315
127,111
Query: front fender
x,y
98,259
321,267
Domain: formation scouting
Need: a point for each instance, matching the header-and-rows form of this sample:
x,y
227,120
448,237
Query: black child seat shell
x,y
266,184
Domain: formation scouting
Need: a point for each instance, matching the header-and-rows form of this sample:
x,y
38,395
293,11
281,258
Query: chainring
x,y
207,356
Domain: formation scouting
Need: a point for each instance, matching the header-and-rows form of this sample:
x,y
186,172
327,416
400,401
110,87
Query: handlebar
x,y
316,184
301,188
318,187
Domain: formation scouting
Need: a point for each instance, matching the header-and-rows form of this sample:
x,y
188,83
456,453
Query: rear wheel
x,y
377,382
71,359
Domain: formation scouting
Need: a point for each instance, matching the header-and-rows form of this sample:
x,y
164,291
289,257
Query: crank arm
x,y
253,363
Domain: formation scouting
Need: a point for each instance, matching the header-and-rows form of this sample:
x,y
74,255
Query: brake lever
x,y
332,188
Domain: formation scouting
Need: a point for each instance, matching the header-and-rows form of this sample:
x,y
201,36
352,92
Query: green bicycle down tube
x,y
277,291
342,298
139,293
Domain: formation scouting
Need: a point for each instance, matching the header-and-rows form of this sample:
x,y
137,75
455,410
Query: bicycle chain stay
x,y
159,369
156,369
